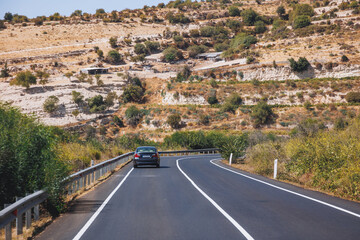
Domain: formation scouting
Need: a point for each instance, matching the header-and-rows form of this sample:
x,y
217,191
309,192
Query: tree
x,y
118,121
212,100
196,49
133,116
301,21
304,10
8,17
76,13
172,54
344,58
100,12
174,120
113,42
114,57
249,17
51,104
100,54
99,82
24,79
5,71
43,76
152,47
301,65
262,114
234,11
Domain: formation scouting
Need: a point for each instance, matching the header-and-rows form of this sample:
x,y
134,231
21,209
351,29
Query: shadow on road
x,y
84,206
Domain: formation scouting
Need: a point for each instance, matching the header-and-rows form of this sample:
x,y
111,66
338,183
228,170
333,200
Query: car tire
x,y
135,166
158,165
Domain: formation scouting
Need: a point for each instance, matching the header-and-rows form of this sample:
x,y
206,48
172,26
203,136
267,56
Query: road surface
x,y
197,197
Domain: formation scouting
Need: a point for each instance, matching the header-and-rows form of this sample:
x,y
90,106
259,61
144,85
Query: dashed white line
x,y
286,190
93,217
222,211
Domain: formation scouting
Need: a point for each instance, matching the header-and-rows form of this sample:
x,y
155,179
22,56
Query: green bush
x,y
260,27
212,100
96,104
140,49
234,11
113,42
250,17
77,97
262,114
133,116
301,21
24,79
51,104
172,54
204,119
114,57
243,39
196,49
118,121
299,66
353,97
174,120
28,157
133,93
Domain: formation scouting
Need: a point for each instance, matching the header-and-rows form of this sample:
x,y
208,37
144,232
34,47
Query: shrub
x,y
133,93
118,121
152,47
308,127
172,54
114,57
234,99
140,49
24,79
234,11
243,39
109,100
219,47
133,116
301,21
353,97
51,104
213,83
77,97
260,27
204,119
4,72
249,17
212,100
194,33
195,50
301,65
228,107
344,58
262,114
303,10
113,42
340,124
174,120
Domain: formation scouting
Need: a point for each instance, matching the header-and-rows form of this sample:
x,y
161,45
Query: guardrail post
x,y
36,212
19,221
230,159
275,168
28,217
84,178
8,233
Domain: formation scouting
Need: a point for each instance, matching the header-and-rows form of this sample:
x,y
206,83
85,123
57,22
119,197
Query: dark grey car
x,y
146,156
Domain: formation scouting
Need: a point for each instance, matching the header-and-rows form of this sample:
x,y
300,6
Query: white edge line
x,y
237,225
286,190
93,217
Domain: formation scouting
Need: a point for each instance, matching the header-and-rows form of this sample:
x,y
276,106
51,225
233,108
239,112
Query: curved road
x,y
197,197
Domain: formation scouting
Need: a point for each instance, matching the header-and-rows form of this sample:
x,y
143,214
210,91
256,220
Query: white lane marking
x,y
93,217
237,225
286,190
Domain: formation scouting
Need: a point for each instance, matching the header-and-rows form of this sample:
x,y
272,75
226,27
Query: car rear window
x,y
146,149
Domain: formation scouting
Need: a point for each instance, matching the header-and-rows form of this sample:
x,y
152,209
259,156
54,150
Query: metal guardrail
x,y
72,184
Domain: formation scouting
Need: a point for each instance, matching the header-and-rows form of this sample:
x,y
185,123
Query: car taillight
x,y
136,156
155,155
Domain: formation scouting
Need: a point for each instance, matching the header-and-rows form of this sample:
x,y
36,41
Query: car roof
x,y
146,147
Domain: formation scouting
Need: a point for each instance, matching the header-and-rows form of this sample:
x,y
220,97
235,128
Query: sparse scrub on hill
x,y
172,54
262,114
96,104
134,91
114,57
353,97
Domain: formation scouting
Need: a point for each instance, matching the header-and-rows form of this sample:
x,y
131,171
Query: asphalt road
x,y
194,198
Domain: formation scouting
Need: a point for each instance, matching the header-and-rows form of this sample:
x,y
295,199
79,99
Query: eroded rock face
x,y
284,73
169,99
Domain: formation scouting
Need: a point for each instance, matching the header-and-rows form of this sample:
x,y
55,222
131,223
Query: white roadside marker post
x,y
275,168
230,159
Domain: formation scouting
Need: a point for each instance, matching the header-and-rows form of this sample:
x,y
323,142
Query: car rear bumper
x,y
146,161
